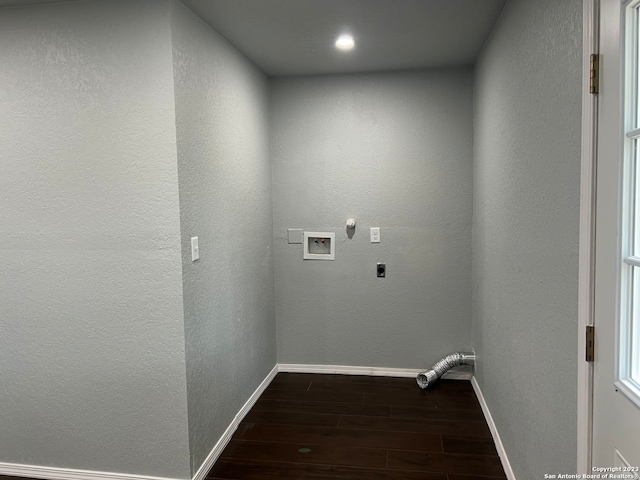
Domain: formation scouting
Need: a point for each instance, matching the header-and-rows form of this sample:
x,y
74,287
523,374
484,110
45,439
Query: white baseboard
x,y
226,436
52,473
371,371
494,431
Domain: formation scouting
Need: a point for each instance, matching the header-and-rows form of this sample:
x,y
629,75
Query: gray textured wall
x,y
225,200
393,151
525,230
92,369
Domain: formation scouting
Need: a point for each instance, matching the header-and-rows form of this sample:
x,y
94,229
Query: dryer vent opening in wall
x,y
319,245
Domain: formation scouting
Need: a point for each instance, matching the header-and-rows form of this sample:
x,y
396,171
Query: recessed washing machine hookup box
x,y
319,246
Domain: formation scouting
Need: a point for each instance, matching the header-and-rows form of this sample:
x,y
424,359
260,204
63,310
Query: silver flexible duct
x,y
425,379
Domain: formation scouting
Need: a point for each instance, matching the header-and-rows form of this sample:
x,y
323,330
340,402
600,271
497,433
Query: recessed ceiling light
x,y
345,42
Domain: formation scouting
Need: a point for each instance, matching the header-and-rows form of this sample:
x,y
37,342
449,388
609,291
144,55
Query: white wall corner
x,y
494,431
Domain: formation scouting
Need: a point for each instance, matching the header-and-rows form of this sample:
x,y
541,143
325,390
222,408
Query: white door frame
x,y
591,18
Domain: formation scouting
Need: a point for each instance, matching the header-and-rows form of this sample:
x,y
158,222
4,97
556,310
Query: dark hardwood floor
x,y
367,428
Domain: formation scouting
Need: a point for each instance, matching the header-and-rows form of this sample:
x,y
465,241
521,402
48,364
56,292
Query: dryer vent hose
x,y
442,366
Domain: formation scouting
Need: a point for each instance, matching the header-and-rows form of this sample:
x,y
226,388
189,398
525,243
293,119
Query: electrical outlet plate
x,y
375,234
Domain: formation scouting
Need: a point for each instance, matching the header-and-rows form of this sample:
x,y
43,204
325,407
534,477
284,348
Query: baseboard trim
x,y
371,371
52,473
218,448
494,431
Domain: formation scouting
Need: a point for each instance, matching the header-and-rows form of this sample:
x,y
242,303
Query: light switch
x,y
375,234
195,251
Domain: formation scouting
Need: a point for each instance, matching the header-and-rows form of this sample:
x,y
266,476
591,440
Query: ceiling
x,y
296,37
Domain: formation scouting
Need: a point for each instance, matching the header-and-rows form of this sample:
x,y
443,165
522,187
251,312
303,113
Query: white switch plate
x,y
375,234
195,251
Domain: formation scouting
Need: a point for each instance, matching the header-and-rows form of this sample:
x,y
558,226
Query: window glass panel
x,y
635,351
630,331
635,68
633,200
629,320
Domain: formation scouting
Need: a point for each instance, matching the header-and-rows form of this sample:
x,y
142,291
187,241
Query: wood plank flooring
x,y
367,428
